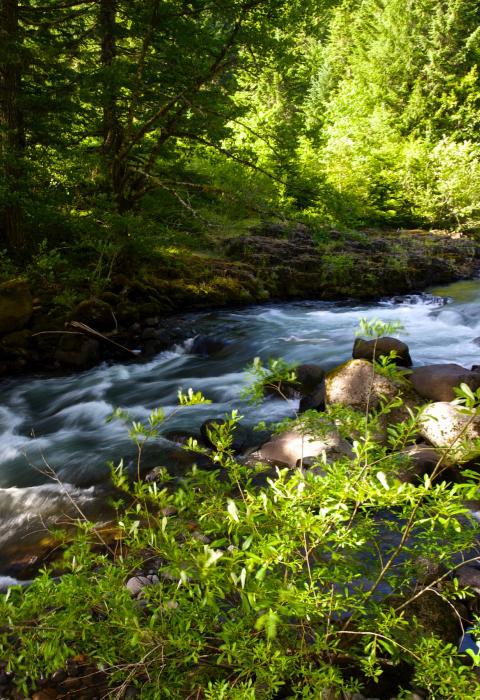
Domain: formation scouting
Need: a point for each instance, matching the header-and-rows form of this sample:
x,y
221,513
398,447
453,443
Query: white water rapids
x,y
59,423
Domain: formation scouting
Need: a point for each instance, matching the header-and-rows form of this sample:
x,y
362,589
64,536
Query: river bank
x,y
130,316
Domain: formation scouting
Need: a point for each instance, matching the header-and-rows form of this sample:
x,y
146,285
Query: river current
x,y
56,443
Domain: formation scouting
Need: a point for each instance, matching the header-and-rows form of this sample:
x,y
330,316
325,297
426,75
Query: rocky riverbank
x,y
134,314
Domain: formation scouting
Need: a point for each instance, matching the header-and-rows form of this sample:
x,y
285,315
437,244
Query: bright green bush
x,y
268,579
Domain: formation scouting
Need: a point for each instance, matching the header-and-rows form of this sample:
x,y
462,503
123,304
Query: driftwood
x,y
95,334
83,329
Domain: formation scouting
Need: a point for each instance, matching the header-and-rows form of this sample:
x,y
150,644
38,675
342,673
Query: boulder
x,y
444,425
427,570
436,382
435,616
16,305
422,459
78,351
127,313
309,378
18,339
286,449
373,349
356,384
313,401
95,313
468,576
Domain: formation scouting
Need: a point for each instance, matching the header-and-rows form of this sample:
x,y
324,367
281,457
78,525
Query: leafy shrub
x,y
269,581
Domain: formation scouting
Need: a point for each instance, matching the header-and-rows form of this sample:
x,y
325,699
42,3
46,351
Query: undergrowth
x,y
272,583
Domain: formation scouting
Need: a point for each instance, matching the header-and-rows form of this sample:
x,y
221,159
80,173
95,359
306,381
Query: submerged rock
x,y
207,345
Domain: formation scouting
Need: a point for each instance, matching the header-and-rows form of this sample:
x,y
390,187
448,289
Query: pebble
x,y
200,537
135,584
169,510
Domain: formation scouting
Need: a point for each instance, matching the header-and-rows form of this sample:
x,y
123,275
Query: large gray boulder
x,y
373,349
16,305
287,449
437,382
448,428
356,384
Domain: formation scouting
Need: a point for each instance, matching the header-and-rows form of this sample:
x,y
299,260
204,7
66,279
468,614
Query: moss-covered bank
x,y
134,305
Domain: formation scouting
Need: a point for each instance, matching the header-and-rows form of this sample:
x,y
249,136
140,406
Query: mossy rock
x,y
16,305
18,339
94,313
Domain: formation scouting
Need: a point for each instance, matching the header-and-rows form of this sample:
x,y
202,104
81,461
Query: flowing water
x,y
55,440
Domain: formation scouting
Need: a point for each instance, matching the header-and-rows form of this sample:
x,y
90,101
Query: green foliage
x,y
269,378
273,585
375,328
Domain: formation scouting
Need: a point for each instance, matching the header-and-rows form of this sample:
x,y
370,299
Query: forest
x,y
206,493
136,124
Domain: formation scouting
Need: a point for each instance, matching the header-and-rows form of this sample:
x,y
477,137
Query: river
x,y
55,439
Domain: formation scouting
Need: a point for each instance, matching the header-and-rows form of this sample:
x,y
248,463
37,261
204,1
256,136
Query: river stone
x,y
370,349
77,350
207,345
356,384
436,382
94,313
136,584
313,401
445,426
468,577
422,460
308,378
435,615
208,430
16,305
286,449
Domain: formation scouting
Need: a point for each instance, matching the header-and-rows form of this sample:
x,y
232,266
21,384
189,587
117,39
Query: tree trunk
x,y
12,138
111,130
